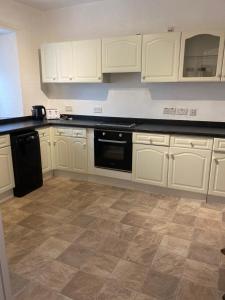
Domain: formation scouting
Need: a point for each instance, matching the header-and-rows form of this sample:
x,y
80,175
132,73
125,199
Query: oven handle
x,y
112,141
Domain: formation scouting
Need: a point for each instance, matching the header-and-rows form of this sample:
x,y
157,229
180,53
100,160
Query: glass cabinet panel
x,y
201,56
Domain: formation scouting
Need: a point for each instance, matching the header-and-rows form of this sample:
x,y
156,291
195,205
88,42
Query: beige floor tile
x,y
183,219
131,275
147,237
161,286
180,231
137,219
114,246
18,283
176,245
52,247
191,291
84,286
203,253
91,239
221,281
210,214
201,273
168,263
113,290
141,254
83,220
55,275
38,292
208,237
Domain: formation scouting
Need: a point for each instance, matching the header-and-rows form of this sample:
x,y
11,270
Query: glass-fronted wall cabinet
x,y
201,56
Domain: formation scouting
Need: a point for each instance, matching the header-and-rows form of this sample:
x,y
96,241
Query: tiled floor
x,y
84,241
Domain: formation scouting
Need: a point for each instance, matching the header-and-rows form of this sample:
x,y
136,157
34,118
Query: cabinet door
x,y
160,57
46,160
217,178
65,61
87,61
121,54
62,153
49,63
78,150
150,164
6,170
189,169
201,56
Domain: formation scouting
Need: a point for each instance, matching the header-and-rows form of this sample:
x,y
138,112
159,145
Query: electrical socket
x,y
68,108
98,109
182,111
169,110
193,112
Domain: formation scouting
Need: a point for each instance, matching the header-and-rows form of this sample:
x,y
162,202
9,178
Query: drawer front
x,y
151,139
219,144
4,141
62,131
44,132
191,142
80,132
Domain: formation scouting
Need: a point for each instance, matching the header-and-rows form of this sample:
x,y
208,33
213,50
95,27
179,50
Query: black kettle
x,y
38,112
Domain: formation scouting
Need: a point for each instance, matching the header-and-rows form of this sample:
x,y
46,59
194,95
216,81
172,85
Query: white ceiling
x,y
52,4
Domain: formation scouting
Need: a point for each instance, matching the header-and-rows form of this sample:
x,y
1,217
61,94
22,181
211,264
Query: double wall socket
x,y
98,109
182,111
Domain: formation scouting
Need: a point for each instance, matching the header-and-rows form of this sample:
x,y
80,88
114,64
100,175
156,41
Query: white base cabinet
x,y
70,150
79,155
150,164
6,170
217,175
189,169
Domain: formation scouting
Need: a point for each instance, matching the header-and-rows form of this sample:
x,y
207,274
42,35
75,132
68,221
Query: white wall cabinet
x,y
201,56
160,57
121,54
6,170
87,61
64,61
49,63
150,164
189,169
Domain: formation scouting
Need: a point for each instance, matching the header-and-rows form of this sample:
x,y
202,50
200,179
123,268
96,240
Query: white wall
x,y
29,28
11,104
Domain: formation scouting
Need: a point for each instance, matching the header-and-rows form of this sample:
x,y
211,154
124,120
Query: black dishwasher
x,y
26,162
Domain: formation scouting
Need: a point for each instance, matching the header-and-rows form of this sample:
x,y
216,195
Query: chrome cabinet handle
x,y
84,146
216,161
167,155
112,141
172,156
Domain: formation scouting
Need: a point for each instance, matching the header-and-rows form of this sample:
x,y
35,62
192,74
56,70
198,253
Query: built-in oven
x,y
113,150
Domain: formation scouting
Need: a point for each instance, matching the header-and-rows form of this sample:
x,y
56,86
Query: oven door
x,y
113,154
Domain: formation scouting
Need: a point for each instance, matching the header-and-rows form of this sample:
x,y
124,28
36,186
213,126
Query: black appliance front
x,y
26,162
113,150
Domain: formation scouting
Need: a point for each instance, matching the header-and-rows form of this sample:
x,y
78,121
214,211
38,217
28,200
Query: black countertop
x,y
213,129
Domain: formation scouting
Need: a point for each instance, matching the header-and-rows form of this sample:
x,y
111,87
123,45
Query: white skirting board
x,y
131,185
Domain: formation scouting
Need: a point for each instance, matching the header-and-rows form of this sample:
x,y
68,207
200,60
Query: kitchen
x,y
112,150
